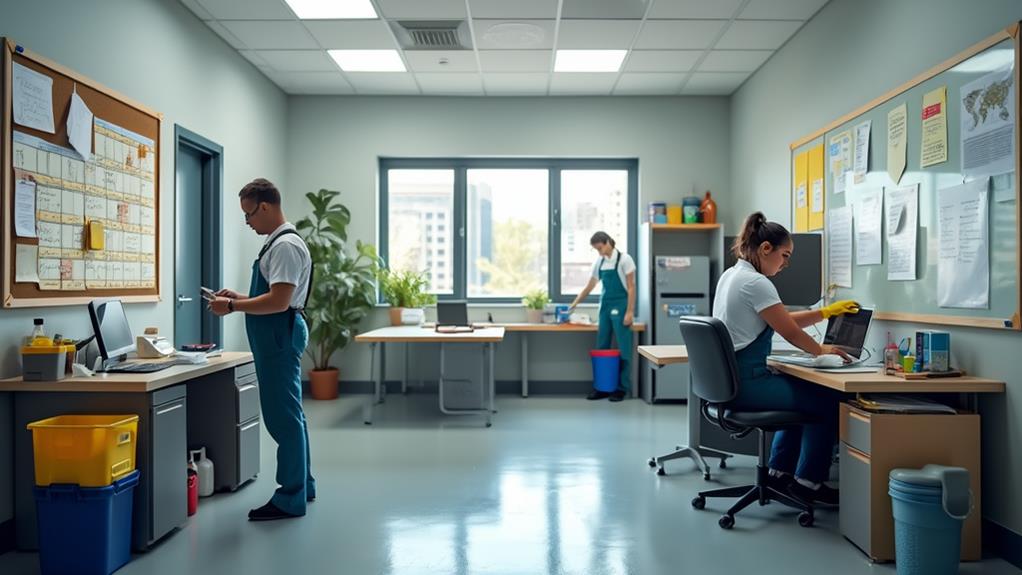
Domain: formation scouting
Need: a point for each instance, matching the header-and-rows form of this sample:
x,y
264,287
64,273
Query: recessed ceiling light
x,y
325,9
589,60
368,60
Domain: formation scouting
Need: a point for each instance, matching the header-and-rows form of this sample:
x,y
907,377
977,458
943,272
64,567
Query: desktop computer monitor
x,y
113,336
801,283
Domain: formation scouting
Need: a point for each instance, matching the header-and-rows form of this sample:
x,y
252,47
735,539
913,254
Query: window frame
x,y
458,227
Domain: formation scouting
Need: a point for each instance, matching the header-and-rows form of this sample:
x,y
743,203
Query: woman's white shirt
x,y
743,292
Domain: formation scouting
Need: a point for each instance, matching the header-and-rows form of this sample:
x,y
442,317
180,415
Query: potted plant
x,y
534,302
343,288
405,289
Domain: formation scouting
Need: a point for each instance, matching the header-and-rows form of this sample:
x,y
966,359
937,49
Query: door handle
x,y
182,299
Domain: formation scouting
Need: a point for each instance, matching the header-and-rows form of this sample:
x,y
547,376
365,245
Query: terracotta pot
x,y
395,315
533,315
323,383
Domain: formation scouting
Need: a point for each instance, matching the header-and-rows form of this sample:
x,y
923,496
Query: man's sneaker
x,y
822,495
595,394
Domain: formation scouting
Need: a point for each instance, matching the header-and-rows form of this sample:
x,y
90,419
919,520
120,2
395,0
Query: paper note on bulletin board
x,y
816,194
801,193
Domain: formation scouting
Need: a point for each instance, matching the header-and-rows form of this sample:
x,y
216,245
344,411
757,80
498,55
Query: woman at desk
x,y
748,304
616,271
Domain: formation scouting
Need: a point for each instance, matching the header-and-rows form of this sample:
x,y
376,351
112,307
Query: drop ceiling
x,y
674,47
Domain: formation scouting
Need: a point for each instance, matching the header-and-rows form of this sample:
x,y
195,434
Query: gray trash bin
x,y
929,505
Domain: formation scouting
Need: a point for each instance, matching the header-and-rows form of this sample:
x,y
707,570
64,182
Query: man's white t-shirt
x,y
287,262
743,292
626,266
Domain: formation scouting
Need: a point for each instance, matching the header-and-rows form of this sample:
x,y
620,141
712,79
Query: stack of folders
x,y
902,404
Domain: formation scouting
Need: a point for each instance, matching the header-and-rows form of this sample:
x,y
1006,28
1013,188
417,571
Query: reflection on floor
x,y
557,486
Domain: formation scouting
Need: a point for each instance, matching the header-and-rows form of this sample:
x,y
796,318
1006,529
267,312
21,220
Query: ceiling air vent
x,y
432,35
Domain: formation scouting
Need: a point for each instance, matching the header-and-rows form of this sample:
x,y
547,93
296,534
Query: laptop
x,y
115,342
452,317
846,332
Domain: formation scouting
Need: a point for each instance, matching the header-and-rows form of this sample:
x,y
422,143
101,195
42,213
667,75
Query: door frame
x,y
212,222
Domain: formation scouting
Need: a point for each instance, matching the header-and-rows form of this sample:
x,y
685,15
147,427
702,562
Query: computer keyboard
x,y
139,367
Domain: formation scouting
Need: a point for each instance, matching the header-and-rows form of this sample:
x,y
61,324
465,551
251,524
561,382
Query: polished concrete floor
x,y
557,486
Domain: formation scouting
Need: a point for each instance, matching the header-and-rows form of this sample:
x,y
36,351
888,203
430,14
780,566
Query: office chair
x,y
714,369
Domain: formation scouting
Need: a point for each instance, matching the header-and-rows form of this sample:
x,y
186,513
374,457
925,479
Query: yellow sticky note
x,y
96,236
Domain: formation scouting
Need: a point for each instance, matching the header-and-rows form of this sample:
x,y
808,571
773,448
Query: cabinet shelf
x,y
684,227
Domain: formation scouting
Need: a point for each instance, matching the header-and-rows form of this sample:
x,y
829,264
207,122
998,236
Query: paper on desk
x,y
33,98
839,244
26,263
868,226
963,265
902,224
24,208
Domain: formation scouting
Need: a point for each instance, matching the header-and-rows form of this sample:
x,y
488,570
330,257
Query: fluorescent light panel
x,y
368,60
589,60
327,9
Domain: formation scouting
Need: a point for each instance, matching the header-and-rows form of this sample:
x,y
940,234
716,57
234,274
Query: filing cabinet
x,y
223,410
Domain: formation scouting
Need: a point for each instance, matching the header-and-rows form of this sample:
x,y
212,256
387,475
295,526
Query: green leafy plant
x,y
344,289
405,288
536,299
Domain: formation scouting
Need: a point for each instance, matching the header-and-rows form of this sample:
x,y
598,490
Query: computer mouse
x,y
829,360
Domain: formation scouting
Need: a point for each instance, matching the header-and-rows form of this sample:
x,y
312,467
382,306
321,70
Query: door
x,y
199,176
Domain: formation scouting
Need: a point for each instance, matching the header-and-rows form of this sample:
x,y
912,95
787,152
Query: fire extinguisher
x,y
193,487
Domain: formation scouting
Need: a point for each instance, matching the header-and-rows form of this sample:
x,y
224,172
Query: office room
x,y
491,287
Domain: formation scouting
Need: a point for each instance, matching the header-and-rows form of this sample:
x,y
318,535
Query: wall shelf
x,y
684,227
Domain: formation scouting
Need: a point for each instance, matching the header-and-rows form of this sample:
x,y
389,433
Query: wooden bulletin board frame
x,y
105,104
956,317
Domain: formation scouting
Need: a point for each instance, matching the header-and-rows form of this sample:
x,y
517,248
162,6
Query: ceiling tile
x,y
514,35
609,9
515,84
429,61
197,9
649,84
581,83
781,9
351,34
298,60
271,35
255,58
310,82
450,84
662,60
515,60
503,9
734,60
596,34
423,9
679,34
714,83
682,9
248,9
224,33
383,82
758,34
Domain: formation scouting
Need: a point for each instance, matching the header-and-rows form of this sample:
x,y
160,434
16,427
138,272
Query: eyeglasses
x,y
248,215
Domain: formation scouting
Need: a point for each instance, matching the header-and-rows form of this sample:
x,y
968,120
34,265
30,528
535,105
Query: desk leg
x,y
367,410
492,347
635,364
525,364
404,374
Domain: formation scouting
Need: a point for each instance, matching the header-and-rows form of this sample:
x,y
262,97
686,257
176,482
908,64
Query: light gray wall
x,y
335,142
851,52
158,53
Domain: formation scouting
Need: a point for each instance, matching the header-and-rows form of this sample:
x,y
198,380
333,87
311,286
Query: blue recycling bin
x,y
929,509
606,369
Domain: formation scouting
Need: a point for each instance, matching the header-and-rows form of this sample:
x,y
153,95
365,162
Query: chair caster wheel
x,y
661,471
723,464
651,462
699,502
726,521
805,519
706,476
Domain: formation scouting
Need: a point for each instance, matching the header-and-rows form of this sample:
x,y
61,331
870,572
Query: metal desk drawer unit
x,y
232,443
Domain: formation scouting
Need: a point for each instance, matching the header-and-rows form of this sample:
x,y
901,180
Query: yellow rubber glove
x,y
840,308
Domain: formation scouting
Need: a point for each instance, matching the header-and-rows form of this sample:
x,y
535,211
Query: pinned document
x,y
963,268
902,225
79,126
32,98
24,207
988,124
897,119
839,246
934,136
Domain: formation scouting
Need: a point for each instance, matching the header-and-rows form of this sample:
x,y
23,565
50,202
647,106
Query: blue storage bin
x,y
606,369
929,506
85,530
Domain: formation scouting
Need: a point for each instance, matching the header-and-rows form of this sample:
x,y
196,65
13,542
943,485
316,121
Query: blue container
x,y
606,369
927,539
85,530
561,313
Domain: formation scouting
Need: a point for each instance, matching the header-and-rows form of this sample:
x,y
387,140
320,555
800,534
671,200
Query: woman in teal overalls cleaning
x,y
616,272
277,335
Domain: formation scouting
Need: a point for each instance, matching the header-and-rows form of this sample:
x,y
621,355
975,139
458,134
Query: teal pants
x,y
612,329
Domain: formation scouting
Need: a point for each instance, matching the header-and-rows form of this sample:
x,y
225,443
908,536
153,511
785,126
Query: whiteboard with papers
x,y
966,110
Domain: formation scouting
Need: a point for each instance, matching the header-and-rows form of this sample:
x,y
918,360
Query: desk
x,y
487,337
166,428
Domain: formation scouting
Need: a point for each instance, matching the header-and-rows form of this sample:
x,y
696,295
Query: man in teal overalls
x,y
616,272
277,335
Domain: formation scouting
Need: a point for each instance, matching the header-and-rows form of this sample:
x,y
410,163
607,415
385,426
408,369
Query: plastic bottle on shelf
x,y
38,336
708,209
892,357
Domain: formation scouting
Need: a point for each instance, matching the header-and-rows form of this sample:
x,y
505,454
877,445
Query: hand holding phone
x,y
207,294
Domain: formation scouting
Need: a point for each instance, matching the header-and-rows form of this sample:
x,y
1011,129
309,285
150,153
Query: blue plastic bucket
x,y
927,540
85,530
606,369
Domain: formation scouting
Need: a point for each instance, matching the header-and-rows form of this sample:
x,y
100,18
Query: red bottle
x,y
708,209
193,492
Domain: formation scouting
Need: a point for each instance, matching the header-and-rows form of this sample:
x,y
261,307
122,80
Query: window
x,y
515,224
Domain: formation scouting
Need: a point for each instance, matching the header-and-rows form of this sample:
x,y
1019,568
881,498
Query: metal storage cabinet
x,y
231,441
681,287
168,485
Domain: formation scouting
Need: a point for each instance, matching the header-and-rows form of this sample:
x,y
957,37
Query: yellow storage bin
x,y
87,450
